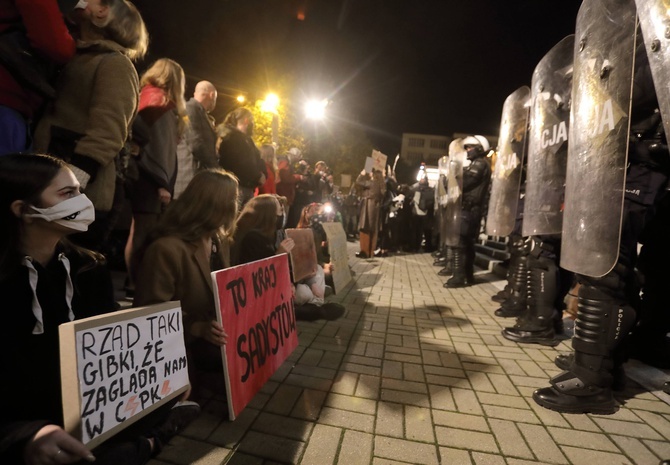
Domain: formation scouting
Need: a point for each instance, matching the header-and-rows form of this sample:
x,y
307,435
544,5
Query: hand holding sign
x,y
286,246
51,443
210,331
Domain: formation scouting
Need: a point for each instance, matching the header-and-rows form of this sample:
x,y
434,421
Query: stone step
x,y
499,245
492,252
485,262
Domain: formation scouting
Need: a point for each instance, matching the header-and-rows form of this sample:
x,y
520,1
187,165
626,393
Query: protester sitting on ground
x,y
311,217
190,241
46,281
255,239
97,95
256,230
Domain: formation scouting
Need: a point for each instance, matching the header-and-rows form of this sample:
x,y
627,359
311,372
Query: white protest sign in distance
x,y
337,249
117,368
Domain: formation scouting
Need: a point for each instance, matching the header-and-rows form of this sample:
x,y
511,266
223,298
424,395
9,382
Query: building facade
x,y
426,148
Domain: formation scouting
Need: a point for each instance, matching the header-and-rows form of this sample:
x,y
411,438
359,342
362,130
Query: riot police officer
x,y
607,299
476,179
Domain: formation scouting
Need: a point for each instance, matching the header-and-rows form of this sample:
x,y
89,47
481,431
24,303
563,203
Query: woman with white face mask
x,y
45,282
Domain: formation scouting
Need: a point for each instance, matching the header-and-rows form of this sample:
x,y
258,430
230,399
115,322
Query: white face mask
x,y
75,213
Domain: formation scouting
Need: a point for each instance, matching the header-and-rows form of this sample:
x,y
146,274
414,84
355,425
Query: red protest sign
x,y
255,303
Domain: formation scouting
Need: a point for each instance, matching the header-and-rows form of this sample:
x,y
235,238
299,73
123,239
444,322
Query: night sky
x,y
390,66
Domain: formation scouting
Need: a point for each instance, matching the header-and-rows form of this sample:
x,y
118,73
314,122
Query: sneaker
x,y
307,312
181,414
332,311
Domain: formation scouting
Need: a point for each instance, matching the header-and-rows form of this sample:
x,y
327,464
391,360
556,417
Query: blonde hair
x,y
208,205
125,26
168,75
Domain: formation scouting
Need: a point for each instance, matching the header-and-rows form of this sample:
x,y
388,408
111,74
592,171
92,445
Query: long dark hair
x,y
208,204
23,177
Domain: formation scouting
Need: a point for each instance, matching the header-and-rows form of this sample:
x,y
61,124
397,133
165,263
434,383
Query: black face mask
x,y
474,152
280,222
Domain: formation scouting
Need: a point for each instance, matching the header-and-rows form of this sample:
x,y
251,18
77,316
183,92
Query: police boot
x,y
448,263
515,304
601,325
503,294
441,257
506,292
537,324
459,278
564,362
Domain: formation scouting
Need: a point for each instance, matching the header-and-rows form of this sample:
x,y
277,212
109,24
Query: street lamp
x,y
316,109
241,99
271,105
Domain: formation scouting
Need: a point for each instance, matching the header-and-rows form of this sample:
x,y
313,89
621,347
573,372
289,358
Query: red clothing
x,y
154,103
49,36
287,180
270,186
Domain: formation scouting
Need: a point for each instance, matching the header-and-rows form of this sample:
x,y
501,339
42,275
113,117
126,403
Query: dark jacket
x,y
155,129
202,140
476,180
239,154
31,396
252,246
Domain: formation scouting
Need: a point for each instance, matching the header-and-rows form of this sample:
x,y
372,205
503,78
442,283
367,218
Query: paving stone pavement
x,y
418,374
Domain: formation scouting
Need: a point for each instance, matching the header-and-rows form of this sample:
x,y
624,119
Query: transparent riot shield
x,y
548,141
598,134
509,163
441,197
654,17
457,157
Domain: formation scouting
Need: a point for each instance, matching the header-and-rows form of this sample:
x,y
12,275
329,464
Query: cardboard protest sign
x,y
337,248
119,367
255,308
345,180
369,164
303,255
379,161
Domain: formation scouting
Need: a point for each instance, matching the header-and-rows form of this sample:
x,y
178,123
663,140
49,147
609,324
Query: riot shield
x,y
507,174
441,197
548,141
654,17
457,157
598,134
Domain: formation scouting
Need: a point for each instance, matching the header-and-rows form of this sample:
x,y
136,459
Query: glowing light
x,y
241,99
271,103
316,109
